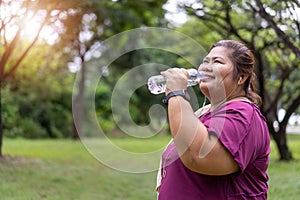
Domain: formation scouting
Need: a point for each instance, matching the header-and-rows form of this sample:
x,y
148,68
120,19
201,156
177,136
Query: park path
x,y
293,129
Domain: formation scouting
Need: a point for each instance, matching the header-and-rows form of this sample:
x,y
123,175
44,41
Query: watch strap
x,y
176,93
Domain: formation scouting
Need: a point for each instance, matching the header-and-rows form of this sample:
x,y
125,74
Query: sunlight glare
x,y
32,26
13,14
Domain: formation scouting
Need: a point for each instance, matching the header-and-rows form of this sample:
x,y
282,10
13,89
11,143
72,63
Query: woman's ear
x,y
242,79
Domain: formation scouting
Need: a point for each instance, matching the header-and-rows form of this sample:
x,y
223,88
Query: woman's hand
x,y
176,79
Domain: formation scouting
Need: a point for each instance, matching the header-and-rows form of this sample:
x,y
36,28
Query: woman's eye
x,y
218,61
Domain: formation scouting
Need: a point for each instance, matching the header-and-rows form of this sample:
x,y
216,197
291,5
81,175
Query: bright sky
x,y
178,17
175,15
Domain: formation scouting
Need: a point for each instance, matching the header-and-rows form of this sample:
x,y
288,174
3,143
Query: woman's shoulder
x,y
241,108
241,104
245,108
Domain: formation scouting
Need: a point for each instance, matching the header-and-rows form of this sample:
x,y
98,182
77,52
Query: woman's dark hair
x,y
244,62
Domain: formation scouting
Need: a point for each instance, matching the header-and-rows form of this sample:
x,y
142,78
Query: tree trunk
x,y
78,104
77,118
1,124
75,134
281,142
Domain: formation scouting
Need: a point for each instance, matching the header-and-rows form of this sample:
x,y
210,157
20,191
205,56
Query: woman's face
x,y
219,82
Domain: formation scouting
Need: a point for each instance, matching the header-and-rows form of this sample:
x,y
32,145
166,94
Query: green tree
x,y
272,30
37,97
113,18
17,17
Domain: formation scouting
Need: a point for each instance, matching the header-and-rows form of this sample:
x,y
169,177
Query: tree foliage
x,y
37,88
118,16
22,25
36,98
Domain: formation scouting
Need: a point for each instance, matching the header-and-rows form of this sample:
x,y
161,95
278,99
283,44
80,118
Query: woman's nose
x,y
205,67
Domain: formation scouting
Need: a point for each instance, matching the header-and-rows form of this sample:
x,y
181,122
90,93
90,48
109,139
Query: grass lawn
x,y
284,181
63,169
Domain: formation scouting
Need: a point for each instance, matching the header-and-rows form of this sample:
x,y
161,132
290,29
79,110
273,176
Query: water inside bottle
x,y
157,84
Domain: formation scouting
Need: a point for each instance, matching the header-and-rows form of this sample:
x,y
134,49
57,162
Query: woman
x,y
224,153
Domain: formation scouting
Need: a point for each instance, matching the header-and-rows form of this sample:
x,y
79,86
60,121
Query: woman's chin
x,y
204,89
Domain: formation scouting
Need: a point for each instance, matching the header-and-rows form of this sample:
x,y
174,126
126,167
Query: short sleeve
x,y
231,124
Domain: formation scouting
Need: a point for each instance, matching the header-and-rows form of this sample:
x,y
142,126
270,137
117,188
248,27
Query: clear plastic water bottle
x,y
157,84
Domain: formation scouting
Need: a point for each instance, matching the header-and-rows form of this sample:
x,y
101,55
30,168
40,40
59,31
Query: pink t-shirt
x,y
242,129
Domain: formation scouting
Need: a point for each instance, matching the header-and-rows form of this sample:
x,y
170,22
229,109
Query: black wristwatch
x,y
182,93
